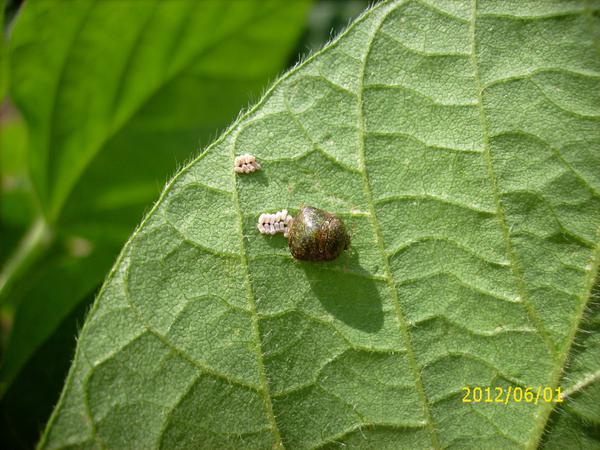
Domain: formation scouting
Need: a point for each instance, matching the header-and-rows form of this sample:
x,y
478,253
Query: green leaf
x,y
55,288
31,398
461,142
16,207
109,119
2,55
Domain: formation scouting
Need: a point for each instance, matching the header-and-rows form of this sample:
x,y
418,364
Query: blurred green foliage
x,y
105,100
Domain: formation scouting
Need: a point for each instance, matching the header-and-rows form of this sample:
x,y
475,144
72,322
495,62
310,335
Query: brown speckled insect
x,y
314,234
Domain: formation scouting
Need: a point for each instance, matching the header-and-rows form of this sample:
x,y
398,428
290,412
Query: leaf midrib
x,y
402,322
47,171
251,301
510,252
133,49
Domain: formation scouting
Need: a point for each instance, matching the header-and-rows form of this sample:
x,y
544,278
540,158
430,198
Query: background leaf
x,y
460,141
17,209
3,63
33,393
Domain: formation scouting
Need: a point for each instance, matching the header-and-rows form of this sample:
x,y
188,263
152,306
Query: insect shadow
x,y
346,291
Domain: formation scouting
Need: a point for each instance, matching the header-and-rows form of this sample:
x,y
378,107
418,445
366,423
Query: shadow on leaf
x,y
345,290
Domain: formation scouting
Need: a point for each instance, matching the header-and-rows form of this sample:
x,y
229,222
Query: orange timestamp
x,y
514,394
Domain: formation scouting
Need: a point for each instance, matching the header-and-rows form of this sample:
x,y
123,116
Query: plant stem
x,y
33,244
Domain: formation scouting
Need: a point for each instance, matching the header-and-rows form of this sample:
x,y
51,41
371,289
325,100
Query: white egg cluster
x,y
279,222
246,164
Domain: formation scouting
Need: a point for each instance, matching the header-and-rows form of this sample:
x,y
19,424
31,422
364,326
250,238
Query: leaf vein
x,y
265,391
518,275
402,323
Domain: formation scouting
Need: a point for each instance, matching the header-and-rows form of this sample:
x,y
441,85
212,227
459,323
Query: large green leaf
x,y
462,144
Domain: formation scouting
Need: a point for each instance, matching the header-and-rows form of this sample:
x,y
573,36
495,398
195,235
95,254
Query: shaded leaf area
x,y
460,142
55,288
16,206
29,402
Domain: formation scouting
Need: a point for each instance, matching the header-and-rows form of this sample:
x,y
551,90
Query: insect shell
x,y
317,235
246,164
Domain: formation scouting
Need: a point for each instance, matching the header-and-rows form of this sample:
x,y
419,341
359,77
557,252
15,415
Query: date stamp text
x,y
511,394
